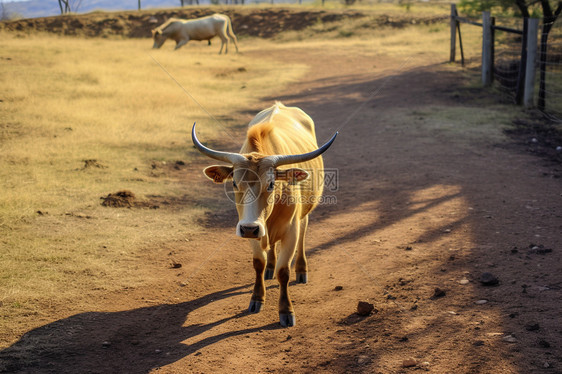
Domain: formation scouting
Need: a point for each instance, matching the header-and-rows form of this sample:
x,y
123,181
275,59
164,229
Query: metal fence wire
x,y
509,60
507,56
552,64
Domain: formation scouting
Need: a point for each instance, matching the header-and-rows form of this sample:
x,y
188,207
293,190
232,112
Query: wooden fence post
x,y
520,90
487,56
487,48
532,41
453,32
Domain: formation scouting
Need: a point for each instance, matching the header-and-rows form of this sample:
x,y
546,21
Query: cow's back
x,y
206,27
282,130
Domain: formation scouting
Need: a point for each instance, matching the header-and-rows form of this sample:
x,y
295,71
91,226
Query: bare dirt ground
x,y
417,209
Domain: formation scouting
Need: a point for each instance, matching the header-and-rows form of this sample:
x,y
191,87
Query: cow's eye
x,y
271,186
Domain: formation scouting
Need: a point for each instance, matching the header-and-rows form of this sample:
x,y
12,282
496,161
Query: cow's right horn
x,y
229,157
279,160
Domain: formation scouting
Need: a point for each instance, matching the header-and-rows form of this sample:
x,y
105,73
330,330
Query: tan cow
x,y
273,201
204,28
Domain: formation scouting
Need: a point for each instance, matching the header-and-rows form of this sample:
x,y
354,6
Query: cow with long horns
x,y
273,201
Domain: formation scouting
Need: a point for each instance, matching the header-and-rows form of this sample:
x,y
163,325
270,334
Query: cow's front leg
x,y
258,296
301,267
180,43
286,253
271,260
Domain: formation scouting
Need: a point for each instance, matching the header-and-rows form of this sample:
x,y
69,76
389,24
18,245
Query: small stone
x,y
534,140
478,343
106,344
544,344
533,327
546,365
338,288
364,308
438,292
509,339
481,302
559,149
464,281
409,362
362,360
488,279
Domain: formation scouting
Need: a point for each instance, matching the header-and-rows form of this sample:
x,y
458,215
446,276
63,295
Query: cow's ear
x,y
292,175
218,174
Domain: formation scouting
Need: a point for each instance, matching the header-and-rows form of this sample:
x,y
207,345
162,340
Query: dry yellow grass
x,y
66,100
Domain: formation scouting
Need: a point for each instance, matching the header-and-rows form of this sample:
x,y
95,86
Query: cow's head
x,y
253,178
158,37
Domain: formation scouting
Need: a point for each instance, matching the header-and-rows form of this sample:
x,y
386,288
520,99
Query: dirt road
x,y
423,202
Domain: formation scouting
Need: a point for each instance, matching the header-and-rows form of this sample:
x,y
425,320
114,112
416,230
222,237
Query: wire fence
x,y
513,58
507,56
552,64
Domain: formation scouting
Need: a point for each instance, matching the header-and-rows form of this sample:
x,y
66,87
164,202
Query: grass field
x,y
68,100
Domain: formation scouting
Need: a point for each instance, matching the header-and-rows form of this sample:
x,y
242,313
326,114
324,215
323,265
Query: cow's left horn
x,y
279,160
229,157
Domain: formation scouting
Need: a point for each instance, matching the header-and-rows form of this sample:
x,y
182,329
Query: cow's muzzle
x,y
249,231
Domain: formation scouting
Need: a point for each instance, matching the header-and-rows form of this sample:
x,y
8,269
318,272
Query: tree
x,y
67,6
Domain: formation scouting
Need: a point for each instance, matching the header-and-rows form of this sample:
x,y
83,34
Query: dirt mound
x,y
120,199
264,23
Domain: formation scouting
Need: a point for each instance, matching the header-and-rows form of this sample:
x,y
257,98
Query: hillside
x,y
251,21
46,8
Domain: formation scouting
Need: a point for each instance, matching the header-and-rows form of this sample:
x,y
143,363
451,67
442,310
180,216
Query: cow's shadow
x,y
134,341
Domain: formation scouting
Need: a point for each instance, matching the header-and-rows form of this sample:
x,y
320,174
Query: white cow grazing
x,y
204,28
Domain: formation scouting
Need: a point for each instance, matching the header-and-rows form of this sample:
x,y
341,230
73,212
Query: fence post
x,y
532,41
520,90
453,32
487,47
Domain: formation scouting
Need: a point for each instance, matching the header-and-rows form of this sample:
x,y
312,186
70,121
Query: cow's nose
x,y
249,231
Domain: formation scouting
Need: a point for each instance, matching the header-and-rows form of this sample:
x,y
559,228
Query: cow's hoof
x,y
302,277
287,319
255,306
268,274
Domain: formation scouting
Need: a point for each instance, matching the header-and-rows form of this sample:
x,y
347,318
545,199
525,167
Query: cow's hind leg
x,y
301,267
224,43
271,260
231,35
258,296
